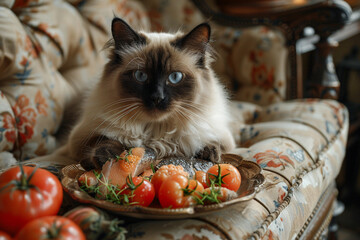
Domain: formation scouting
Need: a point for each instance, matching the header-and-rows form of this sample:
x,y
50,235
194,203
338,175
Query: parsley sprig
x,y
127,154
113,194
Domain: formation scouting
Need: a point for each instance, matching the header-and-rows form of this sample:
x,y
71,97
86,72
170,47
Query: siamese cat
x,y
157,91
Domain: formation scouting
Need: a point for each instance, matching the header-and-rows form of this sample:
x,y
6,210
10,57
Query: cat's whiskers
x,y
194,117
193,105
106,118
111,104
123,100
120,109
122,116
115,121
136,114
130,121
182,117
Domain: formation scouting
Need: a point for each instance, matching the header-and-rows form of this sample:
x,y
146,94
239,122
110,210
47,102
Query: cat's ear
x,y
124,35
197,39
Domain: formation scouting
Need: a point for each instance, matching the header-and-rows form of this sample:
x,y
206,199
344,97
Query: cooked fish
x,y
191,165
133,162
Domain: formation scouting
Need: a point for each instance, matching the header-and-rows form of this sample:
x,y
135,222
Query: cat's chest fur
x,y
166,138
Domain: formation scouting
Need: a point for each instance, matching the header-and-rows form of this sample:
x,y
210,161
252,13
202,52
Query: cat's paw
x,y
211,153
101,153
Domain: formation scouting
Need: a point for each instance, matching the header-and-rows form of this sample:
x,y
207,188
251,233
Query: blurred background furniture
x,y
305,24
50,50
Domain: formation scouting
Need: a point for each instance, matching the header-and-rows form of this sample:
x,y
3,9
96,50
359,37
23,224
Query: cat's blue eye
x,y
140,76
175,77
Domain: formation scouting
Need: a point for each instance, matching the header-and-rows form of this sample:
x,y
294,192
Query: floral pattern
x,y
40,103
273,159
24,75
25,119
261,74
8,129
282,194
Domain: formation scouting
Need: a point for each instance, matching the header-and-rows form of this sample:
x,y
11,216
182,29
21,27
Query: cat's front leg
x,y
210,152
101,152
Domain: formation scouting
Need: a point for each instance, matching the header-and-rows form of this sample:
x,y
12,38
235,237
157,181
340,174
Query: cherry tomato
x,y
139,191
96,224
85,217
179,192
228,177
51,227
201,177
4,236
27,193
164,172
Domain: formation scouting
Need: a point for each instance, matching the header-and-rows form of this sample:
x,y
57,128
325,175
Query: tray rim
x,y
71,186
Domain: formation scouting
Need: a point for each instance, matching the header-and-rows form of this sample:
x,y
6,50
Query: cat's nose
x,y
156,99
158,96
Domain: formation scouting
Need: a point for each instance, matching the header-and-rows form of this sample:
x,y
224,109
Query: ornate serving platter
x,y
251,181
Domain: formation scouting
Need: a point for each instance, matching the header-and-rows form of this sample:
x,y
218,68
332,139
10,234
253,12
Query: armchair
x,y
51,50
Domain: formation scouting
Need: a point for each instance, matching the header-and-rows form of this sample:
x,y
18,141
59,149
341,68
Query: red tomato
x,y
179,192
229,177
84,217
164,172
26,195
139,191
95,224
51,227
4,236
201,177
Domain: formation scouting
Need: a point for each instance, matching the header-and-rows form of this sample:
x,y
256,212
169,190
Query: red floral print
x,y
29,47
21,3
25,119
41,104
271,158
155,19
24,62
270,237
188,13
9,126
262,76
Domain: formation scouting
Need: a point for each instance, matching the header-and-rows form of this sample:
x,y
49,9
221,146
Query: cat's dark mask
x,y
158,83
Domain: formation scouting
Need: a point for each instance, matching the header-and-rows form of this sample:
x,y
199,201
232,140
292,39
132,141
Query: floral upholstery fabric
x,y
48,55
50,50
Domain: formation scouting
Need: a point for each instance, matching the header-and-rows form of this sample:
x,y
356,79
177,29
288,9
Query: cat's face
x,y
161,74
